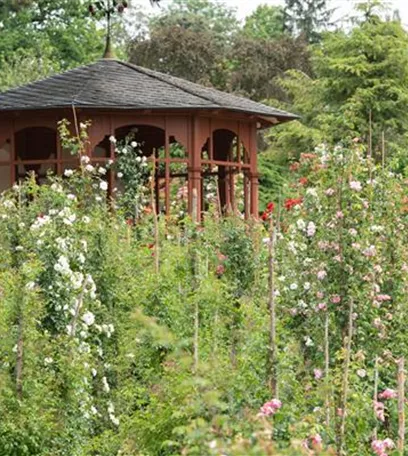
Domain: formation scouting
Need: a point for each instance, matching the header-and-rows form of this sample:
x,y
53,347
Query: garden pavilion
x,y
200,138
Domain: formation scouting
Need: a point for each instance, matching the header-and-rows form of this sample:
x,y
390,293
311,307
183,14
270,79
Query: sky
x,y
343,7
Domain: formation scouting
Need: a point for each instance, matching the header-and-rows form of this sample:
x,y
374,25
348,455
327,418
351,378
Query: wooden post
x,y
401,406
370,135
195,285
383,149
254,172
345,382
246,195
327,367
194,171
155,220
273,381
375,395
167,169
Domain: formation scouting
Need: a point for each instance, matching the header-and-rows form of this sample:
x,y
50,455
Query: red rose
x,y
289,203
265,216
307,156
303,180
294,166
220,270
270,207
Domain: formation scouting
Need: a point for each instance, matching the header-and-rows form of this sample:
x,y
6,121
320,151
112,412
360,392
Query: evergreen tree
x,y
307,17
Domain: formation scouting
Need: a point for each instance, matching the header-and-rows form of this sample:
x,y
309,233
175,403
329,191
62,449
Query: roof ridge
x,y
157,75
92,69
162,77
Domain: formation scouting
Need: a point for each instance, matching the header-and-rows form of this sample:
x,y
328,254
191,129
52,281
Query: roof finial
x,y
108,8
108,53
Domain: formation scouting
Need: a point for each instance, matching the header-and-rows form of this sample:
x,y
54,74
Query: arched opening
x,y
225,171
170,159
35,151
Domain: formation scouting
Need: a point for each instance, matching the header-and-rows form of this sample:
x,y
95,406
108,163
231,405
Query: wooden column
x,y
13,154
111,174
194,170
167,169
253,175
246,196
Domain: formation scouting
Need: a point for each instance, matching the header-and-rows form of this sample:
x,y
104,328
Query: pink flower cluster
x,y
318,374
383,297
314,440
271,407
380,447
379,410
388,393
379,407
321,307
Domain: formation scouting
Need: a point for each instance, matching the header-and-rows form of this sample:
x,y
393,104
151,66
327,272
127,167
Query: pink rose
x,y
271,407
388,394
318,374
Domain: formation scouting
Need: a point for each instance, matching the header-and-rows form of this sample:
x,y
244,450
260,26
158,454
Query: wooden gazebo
x,y
198,136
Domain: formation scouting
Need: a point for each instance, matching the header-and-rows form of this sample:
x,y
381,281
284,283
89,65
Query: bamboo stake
x,y
20,334
370,135
375,396
195,273
401,405
345,383
383,149
155,220
327,368
370,144
273,381
20,357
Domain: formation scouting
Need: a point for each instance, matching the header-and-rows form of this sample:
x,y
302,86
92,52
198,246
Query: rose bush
x,y
119,340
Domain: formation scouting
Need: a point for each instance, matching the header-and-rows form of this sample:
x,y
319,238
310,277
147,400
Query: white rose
x,y
88,318
103,186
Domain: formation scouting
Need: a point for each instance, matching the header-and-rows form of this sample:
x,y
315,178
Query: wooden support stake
x,y
20,357
401,406
327,368
383,149
345,383
273,381
155,219
195,284
370,145
375,395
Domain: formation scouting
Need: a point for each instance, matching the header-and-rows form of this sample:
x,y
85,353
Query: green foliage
x,y
266,22
366,71
189,39
64,27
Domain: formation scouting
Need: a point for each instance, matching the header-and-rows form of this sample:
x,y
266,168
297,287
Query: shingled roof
x,y
112,84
